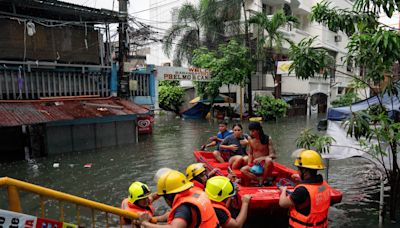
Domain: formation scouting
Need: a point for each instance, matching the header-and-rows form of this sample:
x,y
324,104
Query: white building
x,y
316,93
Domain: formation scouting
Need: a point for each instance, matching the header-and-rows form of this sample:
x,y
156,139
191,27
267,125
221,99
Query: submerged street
x,y
109,172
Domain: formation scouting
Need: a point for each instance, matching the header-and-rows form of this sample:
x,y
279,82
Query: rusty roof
x,y
34,112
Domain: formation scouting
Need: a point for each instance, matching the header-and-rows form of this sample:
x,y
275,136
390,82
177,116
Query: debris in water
x,y
56,165
88,165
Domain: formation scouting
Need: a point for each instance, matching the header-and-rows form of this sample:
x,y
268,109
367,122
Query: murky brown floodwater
x,y
171,145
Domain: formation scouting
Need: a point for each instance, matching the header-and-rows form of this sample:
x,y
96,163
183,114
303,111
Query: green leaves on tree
x,y
312,141
270,108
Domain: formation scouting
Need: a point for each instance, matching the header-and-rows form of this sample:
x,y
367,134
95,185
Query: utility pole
x,y
123,47
246,28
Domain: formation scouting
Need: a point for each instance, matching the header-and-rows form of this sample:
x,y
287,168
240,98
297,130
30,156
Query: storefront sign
x,y
183,74
144,124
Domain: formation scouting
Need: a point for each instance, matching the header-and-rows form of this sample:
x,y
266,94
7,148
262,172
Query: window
x,y
349,67
340,90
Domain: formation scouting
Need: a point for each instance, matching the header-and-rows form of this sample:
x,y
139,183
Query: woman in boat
x,y
197,174
219,189
236,144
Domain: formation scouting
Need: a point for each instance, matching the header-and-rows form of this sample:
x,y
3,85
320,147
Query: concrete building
x,y
56,80
313,95
305,96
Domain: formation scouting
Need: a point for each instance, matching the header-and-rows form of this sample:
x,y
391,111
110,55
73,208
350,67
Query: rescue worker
x,y
309,203
197,174
139,201
219,189
190,206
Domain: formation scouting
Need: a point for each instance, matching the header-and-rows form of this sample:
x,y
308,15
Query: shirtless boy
x,y
261,152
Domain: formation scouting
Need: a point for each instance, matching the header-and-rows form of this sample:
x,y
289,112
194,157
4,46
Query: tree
x,y
312,141
200,25
187,29
228,65
272,40
269,107
374,49
170,96
345,100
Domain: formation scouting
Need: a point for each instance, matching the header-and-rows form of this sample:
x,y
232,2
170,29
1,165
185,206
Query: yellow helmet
x,y
194,169
219,188
138,191
309,159
172,181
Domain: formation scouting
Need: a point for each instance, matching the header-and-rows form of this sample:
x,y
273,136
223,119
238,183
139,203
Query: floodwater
x,y
171,145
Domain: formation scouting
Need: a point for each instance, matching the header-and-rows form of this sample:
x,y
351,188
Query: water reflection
x,y
171,145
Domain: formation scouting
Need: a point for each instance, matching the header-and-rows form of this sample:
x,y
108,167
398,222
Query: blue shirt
x,y
223,135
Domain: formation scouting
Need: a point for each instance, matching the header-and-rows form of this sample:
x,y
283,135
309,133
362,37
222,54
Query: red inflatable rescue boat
x,y
263,199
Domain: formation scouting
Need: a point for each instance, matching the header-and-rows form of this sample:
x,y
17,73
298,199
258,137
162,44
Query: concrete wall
x,y
68,138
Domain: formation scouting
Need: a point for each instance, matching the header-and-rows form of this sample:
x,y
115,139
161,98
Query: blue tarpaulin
x,y
392,103
198,111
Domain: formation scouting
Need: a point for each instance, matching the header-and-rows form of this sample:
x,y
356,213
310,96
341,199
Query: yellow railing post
x,y
14,203
42,206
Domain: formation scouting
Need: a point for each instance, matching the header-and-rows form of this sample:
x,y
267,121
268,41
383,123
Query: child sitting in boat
x,y
216,140
261,153
235,146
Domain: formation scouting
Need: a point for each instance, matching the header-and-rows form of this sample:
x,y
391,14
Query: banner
x,y
183,74
283,67
16,220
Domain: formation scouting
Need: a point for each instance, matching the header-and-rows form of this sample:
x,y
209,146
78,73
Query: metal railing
x,y
14,203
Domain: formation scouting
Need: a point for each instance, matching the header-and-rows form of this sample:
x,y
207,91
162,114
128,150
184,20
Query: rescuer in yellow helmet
x,y
197,174
219,189
190,207
139,201
309,203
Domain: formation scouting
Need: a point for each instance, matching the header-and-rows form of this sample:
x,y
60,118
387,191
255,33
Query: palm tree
x,y
187,30
273,39
202,25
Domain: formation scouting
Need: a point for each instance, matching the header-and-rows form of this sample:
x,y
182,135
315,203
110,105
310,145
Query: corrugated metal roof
x,y
25,113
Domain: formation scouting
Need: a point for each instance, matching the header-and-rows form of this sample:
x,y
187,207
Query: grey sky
x,y
134,5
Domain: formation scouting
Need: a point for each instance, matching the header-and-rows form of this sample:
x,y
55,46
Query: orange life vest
x,y
198,184
126,205
199,199
222,206
320,199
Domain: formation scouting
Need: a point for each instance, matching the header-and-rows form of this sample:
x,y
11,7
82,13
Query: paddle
x,y
209,167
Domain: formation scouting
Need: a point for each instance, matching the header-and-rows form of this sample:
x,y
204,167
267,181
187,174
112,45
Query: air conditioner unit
x,y
338,38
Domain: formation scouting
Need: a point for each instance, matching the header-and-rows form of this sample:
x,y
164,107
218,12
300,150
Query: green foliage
x,y
170,97
375,49
228,65
345,100
269,107
310,140
273,38
308,61
198,25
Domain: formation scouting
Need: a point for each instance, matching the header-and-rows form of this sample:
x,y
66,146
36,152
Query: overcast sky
x,y
134,5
